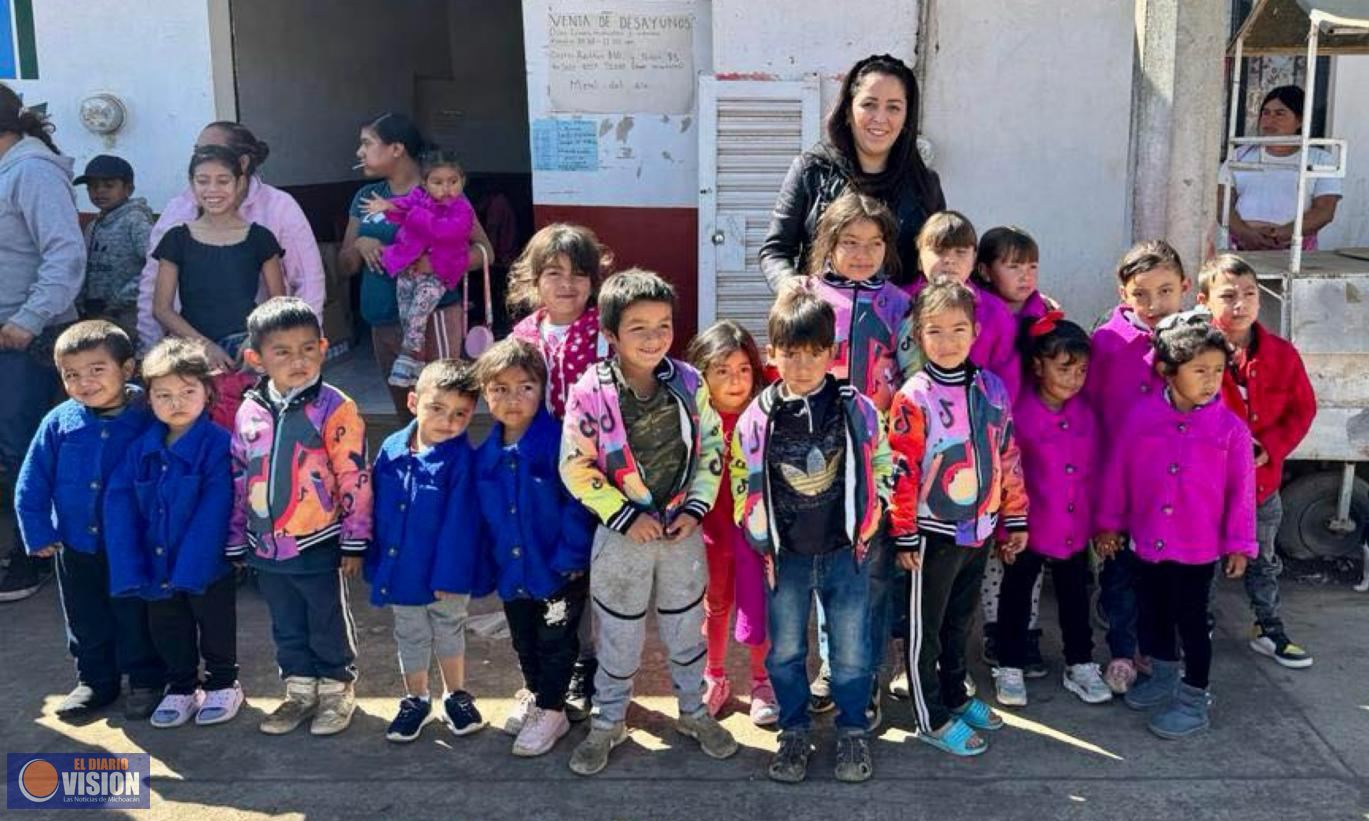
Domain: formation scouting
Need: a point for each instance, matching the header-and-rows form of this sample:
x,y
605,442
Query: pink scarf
x,y
566,359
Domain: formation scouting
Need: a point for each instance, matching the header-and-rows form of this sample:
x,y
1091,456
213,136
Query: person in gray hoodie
x,y
42,266
116,244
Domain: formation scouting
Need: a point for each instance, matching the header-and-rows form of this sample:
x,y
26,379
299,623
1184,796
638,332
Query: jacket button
x,y
94,528
95,485
159,551
1173,467
166,585
516,552
1065,425
1168,510
104,434
1254,417
1145,389
403,505
1159,544
1069,543
1069,468
513,508
1069,508
384,591
1183,428
394,552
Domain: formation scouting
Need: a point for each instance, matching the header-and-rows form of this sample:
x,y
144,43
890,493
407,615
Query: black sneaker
x,y
413,714
580,693
854,763
24,577
460,715
141,702
820,693
874,715
1035,665
789,764
84,701
1276,645
989,655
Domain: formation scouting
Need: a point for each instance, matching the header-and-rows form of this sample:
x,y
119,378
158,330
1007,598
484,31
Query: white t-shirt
x,y
1269,195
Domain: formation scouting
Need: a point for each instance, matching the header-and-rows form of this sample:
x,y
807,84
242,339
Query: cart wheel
x,y
1309,503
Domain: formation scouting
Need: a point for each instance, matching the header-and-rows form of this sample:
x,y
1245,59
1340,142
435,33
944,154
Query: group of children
x,y
907,435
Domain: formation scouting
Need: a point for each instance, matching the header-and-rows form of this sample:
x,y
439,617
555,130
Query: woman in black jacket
x,y
871,144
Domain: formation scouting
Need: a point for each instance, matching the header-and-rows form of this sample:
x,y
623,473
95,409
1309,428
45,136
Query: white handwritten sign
x,y
634,57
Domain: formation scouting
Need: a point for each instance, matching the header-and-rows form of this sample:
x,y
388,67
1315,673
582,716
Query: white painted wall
x,y
645,160
786,43
1028,104
1350,121
152,54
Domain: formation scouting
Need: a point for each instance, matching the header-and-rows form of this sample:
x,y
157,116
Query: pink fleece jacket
x,y
1121,370
1060,465
265,205
1181,484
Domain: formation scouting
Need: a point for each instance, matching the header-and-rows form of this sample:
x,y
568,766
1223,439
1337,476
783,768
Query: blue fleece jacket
x,y
166,513
59,495
427,532
538,533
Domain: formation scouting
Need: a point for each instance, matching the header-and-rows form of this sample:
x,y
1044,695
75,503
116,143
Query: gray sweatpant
x,y
622,577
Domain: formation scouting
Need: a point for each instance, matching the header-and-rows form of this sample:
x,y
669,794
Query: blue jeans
x,y
1117,595
843,588
885,585
30,385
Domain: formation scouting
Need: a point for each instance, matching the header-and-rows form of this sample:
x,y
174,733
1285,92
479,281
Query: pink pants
x,y
718,603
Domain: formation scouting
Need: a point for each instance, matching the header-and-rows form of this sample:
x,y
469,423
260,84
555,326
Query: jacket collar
x,y
261,393
544,429
188,446
874,283
133,411
397,447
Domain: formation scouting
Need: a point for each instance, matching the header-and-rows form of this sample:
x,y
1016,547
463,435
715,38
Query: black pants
x,y
1174,597
545,637
107,635
940,610
311,623
1070,577
186,628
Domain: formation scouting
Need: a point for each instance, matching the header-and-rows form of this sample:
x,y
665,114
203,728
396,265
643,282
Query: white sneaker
x,y
1010,687
523,704
1086,681
898,686
176,709
220,705
540,733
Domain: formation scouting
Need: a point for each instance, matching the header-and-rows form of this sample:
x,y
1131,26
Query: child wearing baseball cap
x,y
116,243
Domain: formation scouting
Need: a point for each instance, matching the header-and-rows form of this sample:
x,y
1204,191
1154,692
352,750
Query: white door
x,y
749,133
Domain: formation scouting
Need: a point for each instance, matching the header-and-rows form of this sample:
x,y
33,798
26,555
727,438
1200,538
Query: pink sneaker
x,y
716,693
765,710
540,732
1120,675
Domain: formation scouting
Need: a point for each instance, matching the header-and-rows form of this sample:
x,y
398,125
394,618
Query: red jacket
x,y
1280,404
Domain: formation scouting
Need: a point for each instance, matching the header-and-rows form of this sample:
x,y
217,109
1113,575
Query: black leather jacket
x,y
816,178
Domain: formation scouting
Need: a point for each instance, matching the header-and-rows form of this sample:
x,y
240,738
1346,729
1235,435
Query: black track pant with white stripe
x,y
940,611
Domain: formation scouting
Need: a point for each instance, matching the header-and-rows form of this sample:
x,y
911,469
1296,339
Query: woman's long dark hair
x,y
15,119
905,164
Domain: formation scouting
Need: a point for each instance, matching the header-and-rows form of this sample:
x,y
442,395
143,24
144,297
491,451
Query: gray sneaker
x,y
591,756
301,699
789,764
853,758
336,703
713,738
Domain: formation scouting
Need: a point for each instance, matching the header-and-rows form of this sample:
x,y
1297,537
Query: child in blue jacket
x,y
166,521
423,561
538,537
59,499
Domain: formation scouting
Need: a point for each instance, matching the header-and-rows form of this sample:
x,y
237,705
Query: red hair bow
x,y
1045,324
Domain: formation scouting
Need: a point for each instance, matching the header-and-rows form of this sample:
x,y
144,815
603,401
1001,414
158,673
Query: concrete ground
x,y
1284,744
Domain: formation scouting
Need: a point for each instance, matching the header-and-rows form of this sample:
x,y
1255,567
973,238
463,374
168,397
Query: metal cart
x,y
1321,299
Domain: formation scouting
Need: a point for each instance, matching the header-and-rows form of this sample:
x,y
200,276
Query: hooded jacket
x,y
42,252
116,248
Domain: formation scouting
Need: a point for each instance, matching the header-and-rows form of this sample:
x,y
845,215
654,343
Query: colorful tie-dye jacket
x,y
875,352
299,475
867,470
596,460
957,469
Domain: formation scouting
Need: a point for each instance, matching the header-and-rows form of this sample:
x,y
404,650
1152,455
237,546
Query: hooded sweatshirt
x,y
42,253
117,243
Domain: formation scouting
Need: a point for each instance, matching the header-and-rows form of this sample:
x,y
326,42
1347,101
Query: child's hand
x,y
1015,543
219,360
683,526
1235,566
910,561
50,550
376,205
645,529
1261,455
351,566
